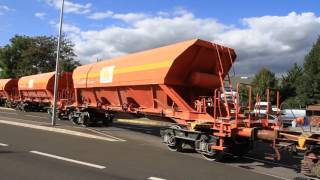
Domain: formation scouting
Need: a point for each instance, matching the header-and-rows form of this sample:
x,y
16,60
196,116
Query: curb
x,y
129,121
58,130
8,109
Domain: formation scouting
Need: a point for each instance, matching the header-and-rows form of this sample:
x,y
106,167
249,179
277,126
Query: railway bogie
x,y
90,116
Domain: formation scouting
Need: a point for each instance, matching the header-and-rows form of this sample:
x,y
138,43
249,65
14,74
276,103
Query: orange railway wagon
x,y
164,81
9,92
36,91
189,83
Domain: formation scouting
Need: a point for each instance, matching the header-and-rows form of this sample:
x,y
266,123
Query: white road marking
x,y
5,145
68,159
33,121
8,109
97,131
8,113
155,178
58,130
37,116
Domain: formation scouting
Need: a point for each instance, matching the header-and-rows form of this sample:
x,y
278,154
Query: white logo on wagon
x,y
106,74
30,83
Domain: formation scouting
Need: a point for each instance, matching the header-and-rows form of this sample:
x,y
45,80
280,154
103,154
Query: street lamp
x,y
57,72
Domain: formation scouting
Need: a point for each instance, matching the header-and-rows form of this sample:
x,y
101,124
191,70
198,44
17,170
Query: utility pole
x,y
57,73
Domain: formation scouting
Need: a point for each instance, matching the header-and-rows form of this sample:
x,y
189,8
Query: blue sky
x,y
127,19
22,20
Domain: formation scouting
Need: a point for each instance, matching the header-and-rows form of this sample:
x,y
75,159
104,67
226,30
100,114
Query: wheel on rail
x,y
83,119
316,170
310,165
203,146
173,143
72,118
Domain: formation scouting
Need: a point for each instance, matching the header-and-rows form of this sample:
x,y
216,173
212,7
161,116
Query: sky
x,y
273,34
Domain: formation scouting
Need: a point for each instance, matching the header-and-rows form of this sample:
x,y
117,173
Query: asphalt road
x,y
33,154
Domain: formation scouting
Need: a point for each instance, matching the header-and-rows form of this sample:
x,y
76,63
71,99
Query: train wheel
x,y
83,119
206,151
173,143
316,170
72,118
310,165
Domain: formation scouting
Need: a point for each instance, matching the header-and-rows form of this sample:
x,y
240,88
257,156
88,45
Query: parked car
x,y
229,93
262,107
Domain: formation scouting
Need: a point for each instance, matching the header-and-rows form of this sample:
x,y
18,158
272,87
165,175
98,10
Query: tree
x,y
263,80
11,55
31,55
289,83
308,85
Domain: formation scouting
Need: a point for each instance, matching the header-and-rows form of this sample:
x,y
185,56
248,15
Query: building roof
x,y
314,107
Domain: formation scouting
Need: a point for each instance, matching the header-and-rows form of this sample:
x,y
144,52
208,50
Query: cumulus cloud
x,y
71,29
40,15
127,17
71,7
101,15
4,8
275,42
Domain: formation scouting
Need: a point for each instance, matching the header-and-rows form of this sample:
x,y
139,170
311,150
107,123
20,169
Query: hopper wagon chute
x,y
165,81
36,91
9,94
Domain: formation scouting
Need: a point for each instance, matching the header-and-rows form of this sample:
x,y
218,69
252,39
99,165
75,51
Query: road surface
x,y
136,153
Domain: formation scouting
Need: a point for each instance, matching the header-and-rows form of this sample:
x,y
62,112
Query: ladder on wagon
x,y
226,80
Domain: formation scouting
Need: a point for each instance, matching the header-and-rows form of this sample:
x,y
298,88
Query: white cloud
x,y
70,7
40,15
4,8
275,42
142,34
66,28
100,15
70,28
127,17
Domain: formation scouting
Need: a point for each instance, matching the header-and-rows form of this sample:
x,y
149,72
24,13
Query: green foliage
x,y
31,55
263,80
308,85
289,84
11,56
244,95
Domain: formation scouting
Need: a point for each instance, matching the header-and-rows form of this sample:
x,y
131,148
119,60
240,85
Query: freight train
x,y
186,82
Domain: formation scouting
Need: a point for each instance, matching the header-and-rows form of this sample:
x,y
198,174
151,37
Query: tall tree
x,y
31,55
263,79
11,55
289,83
308,86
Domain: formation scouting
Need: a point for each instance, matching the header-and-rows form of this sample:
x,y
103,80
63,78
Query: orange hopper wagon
x,y
36,91
9,92
189,83
163,81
